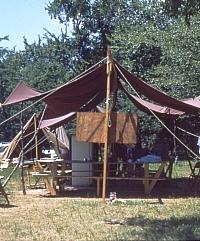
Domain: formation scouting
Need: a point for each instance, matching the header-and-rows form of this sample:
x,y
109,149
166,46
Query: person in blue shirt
x,y
134,152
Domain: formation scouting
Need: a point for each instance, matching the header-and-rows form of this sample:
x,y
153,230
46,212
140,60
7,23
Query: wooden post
x,y
171,162
22,153
106,130
36,138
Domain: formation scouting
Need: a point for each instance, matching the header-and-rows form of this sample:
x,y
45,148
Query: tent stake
x,y
106,130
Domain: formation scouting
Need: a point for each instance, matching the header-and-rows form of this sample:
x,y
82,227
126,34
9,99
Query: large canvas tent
x,y
90,88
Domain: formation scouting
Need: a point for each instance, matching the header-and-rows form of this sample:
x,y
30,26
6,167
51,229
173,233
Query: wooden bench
x,y
2,191
144,179
99,178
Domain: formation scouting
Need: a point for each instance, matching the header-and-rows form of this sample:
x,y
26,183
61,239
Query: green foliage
x,y
168,58
185,8
9,76
91,23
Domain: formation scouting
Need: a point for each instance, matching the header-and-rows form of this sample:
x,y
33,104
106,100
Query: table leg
x,y
157,175
146,175
47,182
63,167
53,186
53,169
98,186
2,191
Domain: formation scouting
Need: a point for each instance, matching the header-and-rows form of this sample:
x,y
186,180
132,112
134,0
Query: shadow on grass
x,y
167,190
7,205
175,188
78,192
175,228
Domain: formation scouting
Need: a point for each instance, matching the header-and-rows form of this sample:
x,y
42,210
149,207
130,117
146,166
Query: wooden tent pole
x,y
22,153
174,150
36,138
106,130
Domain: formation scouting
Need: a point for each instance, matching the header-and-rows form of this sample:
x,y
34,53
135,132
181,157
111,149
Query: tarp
x,y
50,121
154,94
22,92
147,107
58,120
89,89
71,97
192,101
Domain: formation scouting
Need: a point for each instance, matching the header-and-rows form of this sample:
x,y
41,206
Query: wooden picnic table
x,y
50,172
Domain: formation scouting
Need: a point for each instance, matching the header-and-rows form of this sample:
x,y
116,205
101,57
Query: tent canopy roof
x,y
89,89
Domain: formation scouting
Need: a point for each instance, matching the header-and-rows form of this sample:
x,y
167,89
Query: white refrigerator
x,y
81,153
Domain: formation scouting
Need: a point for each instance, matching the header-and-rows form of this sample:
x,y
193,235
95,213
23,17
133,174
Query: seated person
x,y
135,152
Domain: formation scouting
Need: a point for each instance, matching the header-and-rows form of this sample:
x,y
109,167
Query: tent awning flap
x,y
52,120
22,92
147,107
57,120
154,94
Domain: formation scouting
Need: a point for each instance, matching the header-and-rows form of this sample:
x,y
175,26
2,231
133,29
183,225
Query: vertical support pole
x,y
146,175
57,143
109,69
22,153
174,139
171,163
36,138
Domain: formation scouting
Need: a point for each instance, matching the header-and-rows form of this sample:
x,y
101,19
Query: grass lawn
x,y
39,217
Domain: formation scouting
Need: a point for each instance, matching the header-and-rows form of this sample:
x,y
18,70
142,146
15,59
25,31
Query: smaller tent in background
x,y
32,137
